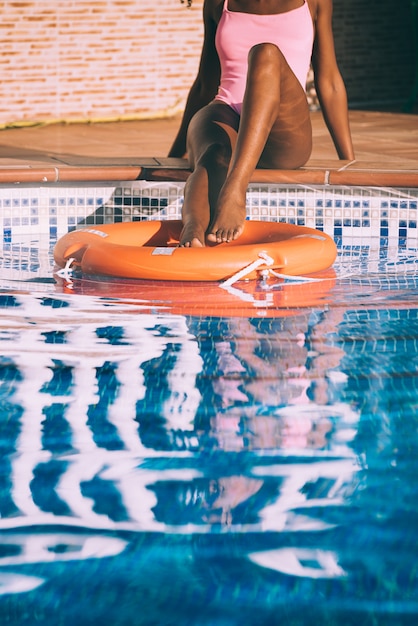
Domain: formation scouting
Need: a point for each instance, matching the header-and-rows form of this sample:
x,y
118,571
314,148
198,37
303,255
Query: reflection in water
x,y
256,459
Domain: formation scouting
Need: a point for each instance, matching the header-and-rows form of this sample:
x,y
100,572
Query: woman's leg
x,y
275,132
210,140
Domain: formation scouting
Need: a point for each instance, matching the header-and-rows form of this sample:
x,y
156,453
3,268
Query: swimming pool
x,y
169,467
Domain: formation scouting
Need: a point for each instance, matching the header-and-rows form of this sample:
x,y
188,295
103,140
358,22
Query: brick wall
x,y
96,59
110,59
375,50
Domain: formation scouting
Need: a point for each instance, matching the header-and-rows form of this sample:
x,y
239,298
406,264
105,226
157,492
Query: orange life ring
x,y
149,250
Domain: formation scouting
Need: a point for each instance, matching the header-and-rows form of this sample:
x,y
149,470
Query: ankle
x,y
236,182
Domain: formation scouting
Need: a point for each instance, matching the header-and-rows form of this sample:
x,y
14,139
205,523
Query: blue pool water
x,y
161,466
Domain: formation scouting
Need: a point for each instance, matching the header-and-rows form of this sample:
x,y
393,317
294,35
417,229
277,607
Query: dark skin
x,y
273,131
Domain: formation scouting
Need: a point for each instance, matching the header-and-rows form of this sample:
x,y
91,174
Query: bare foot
x,y
229,219
192,237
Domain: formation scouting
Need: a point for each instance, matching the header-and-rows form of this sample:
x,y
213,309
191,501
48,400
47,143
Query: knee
x,y
268,54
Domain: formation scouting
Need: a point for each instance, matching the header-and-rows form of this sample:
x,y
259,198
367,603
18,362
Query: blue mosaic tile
x,y
136,201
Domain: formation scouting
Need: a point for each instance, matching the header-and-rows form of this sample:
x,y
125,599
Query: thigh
x,y
289,144
215,124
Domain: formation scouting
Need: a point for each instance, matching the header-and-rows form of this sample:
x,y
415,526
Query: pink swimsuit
x,y
292,32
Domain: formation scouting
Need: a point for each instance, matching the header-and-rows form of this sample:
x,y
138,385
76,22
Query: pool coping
x,y
159,169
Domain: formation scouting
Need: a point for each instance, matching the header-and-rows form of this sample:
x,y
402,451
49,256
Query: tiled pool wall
x,y
33,218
